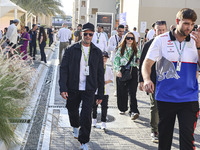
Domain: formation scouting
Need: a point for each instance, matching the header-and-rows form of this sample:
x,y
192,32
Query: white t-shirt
x,y
0,35
108,75
112,44
64,35
82,81
150,34
12,33
137,35
99,40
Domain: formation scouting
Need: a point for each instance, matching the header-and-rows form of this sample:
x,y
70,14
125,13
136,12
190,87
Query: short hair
x,y
33,25
120,26
134,28
160,22
186,13
15,21
64,24
79,25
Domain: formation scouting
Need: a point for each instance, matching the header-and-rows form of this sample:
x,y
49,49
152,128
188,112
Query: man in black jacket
x,y
81,73
160,28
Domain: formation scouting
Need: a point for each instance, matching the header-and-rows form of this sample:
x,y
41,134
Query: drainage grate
x,y
20,120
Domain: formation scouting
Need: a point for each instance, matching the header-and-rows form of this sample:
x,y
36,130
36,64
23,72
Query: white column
x,y
15,13
26,19
35,20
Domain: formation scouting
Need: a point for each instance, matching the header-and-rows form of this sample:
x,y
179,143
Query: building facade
x,y
86,10
142,13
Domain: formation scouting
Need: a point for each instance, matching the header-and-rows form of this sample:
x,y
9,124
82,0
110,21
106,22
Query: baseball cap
x,y
105,54
88,26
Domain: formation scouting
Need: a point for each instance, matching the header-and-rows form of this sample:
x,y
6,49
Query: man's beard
x,y
182,32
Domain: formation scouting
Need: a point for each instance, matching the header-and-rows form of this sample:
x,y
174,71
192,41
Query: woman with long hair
x,y
25,37
42,43
127,47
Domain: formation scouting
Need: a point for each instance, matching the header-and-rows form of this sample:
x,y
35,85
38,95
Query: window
x,y
83,4
83,18
94,11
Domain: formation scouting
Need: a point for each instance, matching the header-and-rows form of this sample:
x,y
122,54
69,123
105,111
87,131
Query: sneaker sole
x,y
155,141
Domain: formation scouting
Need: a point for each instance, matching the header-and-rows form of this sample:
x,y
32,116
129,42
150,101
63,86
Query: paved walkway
x,y
121,133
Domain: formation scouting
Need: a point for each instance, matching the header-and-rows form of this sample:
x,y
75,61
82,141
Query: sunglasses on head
x,y
128,38
90,34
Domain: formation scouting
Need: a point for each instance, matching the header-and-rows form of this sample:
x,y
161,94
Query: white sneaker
x,y
84,147
103,125
122,113
134,116
115,93
154,137
94,122
75,132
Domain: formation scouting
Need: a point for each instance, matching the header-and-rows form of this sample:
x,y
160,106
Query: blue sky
x,y
67,6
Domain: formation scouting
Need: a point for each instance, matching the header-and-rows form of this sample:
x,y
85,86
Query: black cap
x,y
105,54
88,26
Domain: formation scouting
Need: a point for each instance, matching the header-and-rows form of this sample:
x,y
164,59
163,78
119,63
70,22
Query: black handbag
x,y
127,70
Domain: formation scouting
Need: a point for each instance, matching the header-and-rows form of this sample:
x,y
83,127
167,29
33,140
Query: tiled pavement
x,y
121,134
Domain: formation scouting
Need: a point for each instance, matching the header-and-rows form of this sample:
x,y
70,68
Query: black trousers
x,y
32,52
187,114
104,108
125,88
84,120
43,55
50,41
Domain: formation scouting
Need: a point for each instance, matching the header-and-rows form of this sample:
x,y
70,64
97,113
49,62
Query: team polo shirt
x,y
172,85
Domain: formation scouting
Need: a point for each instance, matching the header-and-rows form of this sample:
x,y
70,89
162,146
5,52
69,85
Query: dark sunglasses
x,y
90,34
128,38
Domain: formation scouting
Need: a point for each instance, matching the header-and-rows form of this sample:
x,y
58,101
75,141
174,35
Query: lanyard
x,y
180,53
98,35
86,59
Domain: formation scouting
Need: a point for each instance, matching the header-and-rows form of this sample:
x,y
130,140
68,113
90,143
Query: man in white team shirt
x,y
64,35
99,39
112,47
137,36
151,33
176,54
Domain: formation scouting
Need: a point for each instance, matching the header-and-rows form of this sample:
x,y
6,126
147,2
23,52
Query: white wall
x,y
131,7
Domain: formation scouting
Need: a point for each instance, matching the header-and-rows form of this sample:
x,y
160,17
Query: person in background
x,y
114,31
70,40
50,33
25,37
1,34
151,33
42,38
137,36
108,77
145,37
77,33
32,42
64,35
11,34
113,44
126,29
172,27
160,27
99,39
102,30
127,47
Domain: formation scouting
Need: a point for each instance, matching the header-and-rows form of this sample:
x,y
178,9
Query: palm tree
x,y
38,7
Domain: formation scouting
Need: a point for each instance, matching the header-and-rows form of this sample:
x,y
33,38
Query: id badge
x,y
178,67
87,71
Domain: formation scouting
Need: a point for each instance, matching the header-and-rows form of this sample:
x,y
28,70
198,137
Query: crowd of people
x,y
163,63
165,71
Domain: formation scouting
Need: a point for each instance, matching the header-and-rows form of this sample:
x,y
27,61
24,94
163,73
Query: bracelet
x,y
198,48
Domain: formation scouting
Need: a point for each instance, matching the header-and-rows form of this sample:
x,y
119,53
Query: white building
x,y
142,13
85,10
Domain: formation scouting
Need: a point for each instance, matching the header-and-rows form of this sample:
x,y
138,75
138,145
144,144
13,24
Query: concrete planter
x,y
2,146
